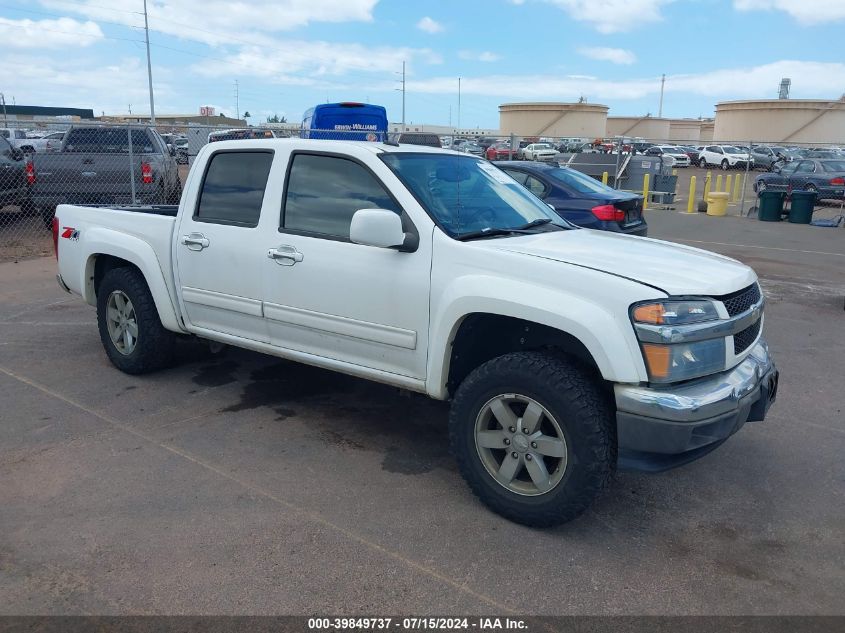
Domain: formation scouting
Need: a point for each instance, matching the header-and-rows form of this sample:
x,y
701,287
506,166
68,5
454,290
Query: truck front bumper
x,y
660,428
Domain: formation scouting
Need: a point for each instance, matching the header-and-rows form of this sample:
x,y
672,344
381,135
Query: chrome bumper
x,y
662,427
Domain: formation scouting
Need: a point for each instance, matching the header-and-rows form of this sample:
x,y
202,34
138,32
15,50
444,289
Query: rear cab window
x,y
108,141
233,186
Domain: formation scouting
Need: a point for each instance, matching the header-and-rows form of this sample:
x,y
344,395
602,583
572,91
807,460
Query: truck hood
x,y
673,268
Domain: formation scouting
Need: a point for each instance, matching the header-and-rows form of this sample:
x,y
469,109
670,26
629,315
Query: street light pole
x,y
149,66
403,96
459,105
660,108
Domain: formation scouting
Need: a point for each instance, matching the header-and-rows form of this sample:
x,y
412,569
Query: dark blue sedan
x,y
579,198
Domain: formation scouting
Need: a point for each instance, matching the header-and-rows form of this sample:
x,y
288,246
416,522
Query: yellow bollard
x,y
645,191
728,183
719,182
707,185
737,188
604,178
691,201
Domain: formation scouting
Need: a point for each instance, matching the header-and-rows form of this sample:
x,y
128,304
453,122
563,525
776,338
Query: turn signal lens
x,y
657,359
650,313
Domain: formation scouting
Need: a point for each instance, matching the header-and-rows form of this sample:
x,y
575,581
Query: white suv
x,y
724,156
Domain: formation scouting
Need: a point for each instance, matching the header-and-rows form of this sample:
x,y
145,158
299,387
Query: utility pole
x,y
660,108
403,96
3,100
237,102
149,66
459,105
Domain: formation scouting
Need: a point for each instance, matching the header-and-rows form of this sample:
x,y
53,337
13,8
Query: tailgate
x,y
88,178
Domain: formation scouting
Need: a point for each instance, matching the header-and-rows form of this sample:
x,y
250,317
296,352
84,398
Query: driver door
x,y
324,295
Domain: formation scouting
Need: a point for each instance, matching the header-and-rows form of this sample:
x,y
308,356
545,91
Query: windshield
x,y
732,150
580,182
542,146
464,194
833,165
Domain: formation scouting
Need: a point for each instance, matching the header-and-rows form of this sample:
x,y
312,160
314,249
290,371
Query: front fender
x,y
603,328
103,241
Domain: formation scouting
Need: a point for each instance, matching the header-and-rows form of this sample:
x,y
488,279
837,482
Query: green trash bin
x,y
803,203
770,206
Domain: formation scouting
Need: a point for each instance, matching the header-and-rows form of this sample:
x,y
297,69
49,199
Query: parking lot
x,y
245,484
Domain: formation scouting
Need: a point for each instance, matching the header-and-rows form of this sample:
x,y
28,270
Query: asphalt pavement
x,y
244,484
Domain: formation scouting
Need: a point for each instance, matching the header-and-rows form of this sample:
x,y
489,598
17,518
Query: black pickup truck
x,y
13,183
94,167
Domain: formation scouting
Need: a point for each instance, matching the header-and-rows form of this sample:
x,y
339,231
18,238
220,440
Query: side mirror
x,y
380,228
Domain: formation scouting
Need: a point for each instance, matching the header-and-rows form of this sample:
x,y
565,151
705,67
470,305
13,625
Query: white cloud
x,y
429,26
43,34
220,21
816,79
474,56
606,54
314,62
804,11
611,16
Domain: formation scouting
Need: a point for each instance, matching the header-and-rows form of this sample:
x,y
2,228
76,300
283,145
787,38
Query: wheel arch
x,y
129,251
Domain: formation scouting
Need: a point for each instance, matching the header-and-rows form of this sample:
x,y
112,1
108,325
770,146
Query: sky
x,y
288,55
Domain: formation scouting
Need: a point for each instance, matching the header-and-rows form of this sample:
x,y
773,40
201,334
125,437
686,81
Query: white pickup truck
x,y
566,353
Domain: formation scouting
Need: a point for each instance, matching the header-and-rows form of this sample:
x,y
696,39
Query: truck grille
x,y
742,340
739,301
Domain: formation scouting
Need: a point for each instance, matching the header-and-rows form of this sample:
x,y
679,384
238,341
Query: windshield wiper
x,y
525,229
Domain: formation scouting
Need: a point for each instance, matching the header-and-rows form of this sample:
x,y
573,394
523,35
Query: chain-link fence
x,y
101,163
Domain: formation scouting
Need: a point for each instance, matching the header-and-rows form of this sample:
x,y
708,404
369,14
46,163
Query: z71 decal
x,y
70,233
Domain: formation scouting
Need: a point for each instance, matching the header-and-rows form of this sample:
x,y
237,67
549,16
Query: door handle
x,y
195,241
285,255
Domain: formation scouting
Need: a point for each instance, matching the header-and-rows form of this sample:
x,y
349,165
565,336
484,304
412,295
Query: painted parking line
x,y
770,248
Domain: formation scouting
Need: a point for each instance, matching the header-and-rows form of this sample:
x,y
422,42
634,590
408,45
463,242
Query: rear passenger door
x,y
217,249
326,296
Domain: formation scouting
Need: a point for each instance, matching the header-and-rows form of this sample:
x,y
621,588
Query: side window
x,y
805,167
324,192
233,188
519,176
535,186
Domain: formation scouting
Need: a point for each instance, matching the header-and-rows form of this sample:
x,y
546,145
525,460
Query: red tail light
x,y
608,213
30,173
56,236
146,173
838,182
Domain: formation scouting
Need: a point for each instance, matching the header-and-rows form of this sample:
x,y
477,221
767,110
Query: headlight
x,y
674,312
667,332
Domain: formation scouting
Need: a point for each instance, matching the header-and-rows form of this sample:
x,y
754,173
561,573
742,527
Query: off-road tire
x,y
154,347
575,399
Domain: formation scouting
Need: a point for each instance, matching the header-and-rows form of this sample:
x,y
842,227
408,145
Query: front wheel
x,y
130,329
702,163
534,437
725,165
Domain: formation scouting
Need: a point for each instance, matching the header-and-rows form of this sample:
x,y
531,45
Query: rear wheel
x,y
130,329
702,163
760,186
811,189
534,437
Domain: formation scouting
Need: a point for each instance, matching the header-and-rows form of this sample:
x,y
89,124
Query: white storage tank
x,y
781,121
685,130
575,120
646,127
